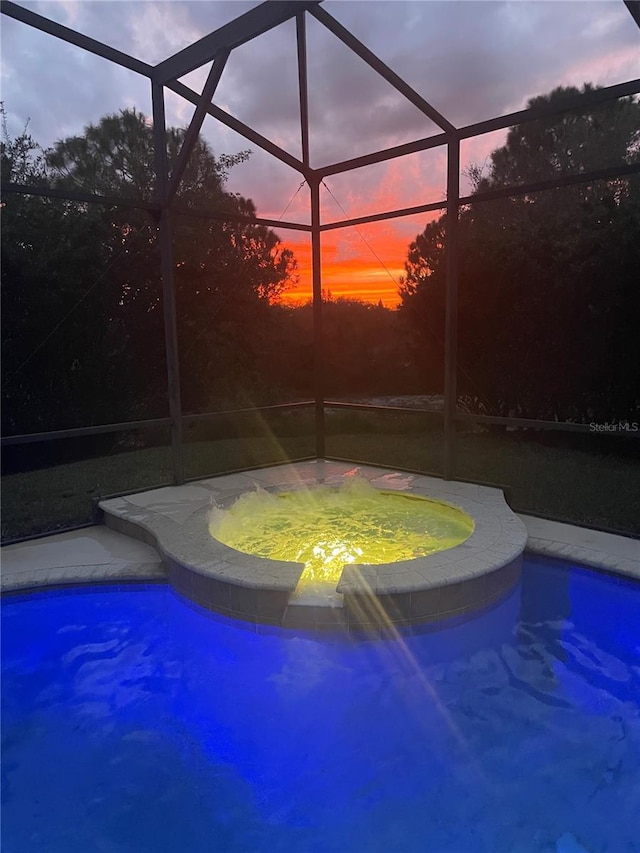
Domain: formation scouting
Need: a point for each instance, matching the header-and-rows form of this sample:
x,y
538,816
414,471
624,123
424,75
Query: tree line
x,y
83,334
549,292
549,282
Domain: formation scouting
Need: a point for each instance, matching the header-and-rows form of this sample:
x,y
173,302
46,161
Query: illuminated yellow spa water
x,y
326,528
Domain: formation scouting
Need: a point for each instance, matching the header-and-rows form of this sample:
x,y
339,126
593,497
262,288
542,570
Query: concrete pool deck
x,y
102,555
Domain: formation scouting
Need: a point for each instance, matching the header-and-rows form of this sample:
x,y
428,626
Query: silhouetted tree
x,y
82,290
225,272
54,372
365,352
548,294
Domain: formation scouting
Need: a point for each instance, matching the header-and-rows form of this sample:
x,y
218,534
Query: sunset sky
x,y
470,60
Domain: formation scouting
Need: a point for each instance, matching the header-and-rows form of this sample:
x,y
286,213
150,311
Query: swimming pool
x,y
133,721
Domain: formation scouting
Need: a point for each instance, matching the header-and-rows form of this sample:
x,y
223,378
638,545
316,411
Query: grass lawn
x,y
594,487
61,496
571,484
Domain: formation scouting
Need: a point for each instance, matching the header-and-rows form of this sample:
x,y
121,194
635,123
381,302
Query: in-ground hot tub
x,y
460,548
328,527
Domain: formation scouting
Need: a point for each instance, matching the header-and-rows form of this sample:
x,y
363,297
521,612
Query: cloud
x,y
408,181
158,30
59,88
474,60
470,60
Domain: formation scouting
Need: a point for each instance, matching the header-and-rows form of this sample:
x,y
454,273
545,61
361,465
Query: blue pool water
x,y
133,722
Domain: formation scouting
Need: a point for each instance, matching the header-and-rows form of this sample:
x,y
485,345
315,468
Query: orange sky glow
x,y
360,277
367,262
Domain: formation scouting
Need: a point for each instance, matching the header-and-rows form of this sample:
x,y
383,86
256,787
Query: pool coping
x,y
459,580
595,549
99,554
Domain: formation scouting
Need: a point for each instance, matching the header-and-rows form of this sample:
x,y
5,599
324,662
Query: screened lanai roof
x,y
452,63
400,97
469,60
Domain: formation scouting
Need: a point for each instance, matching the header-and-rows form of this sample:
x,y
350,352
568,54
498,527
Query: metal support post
x,y
451,310
168,282
301,42
318,344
